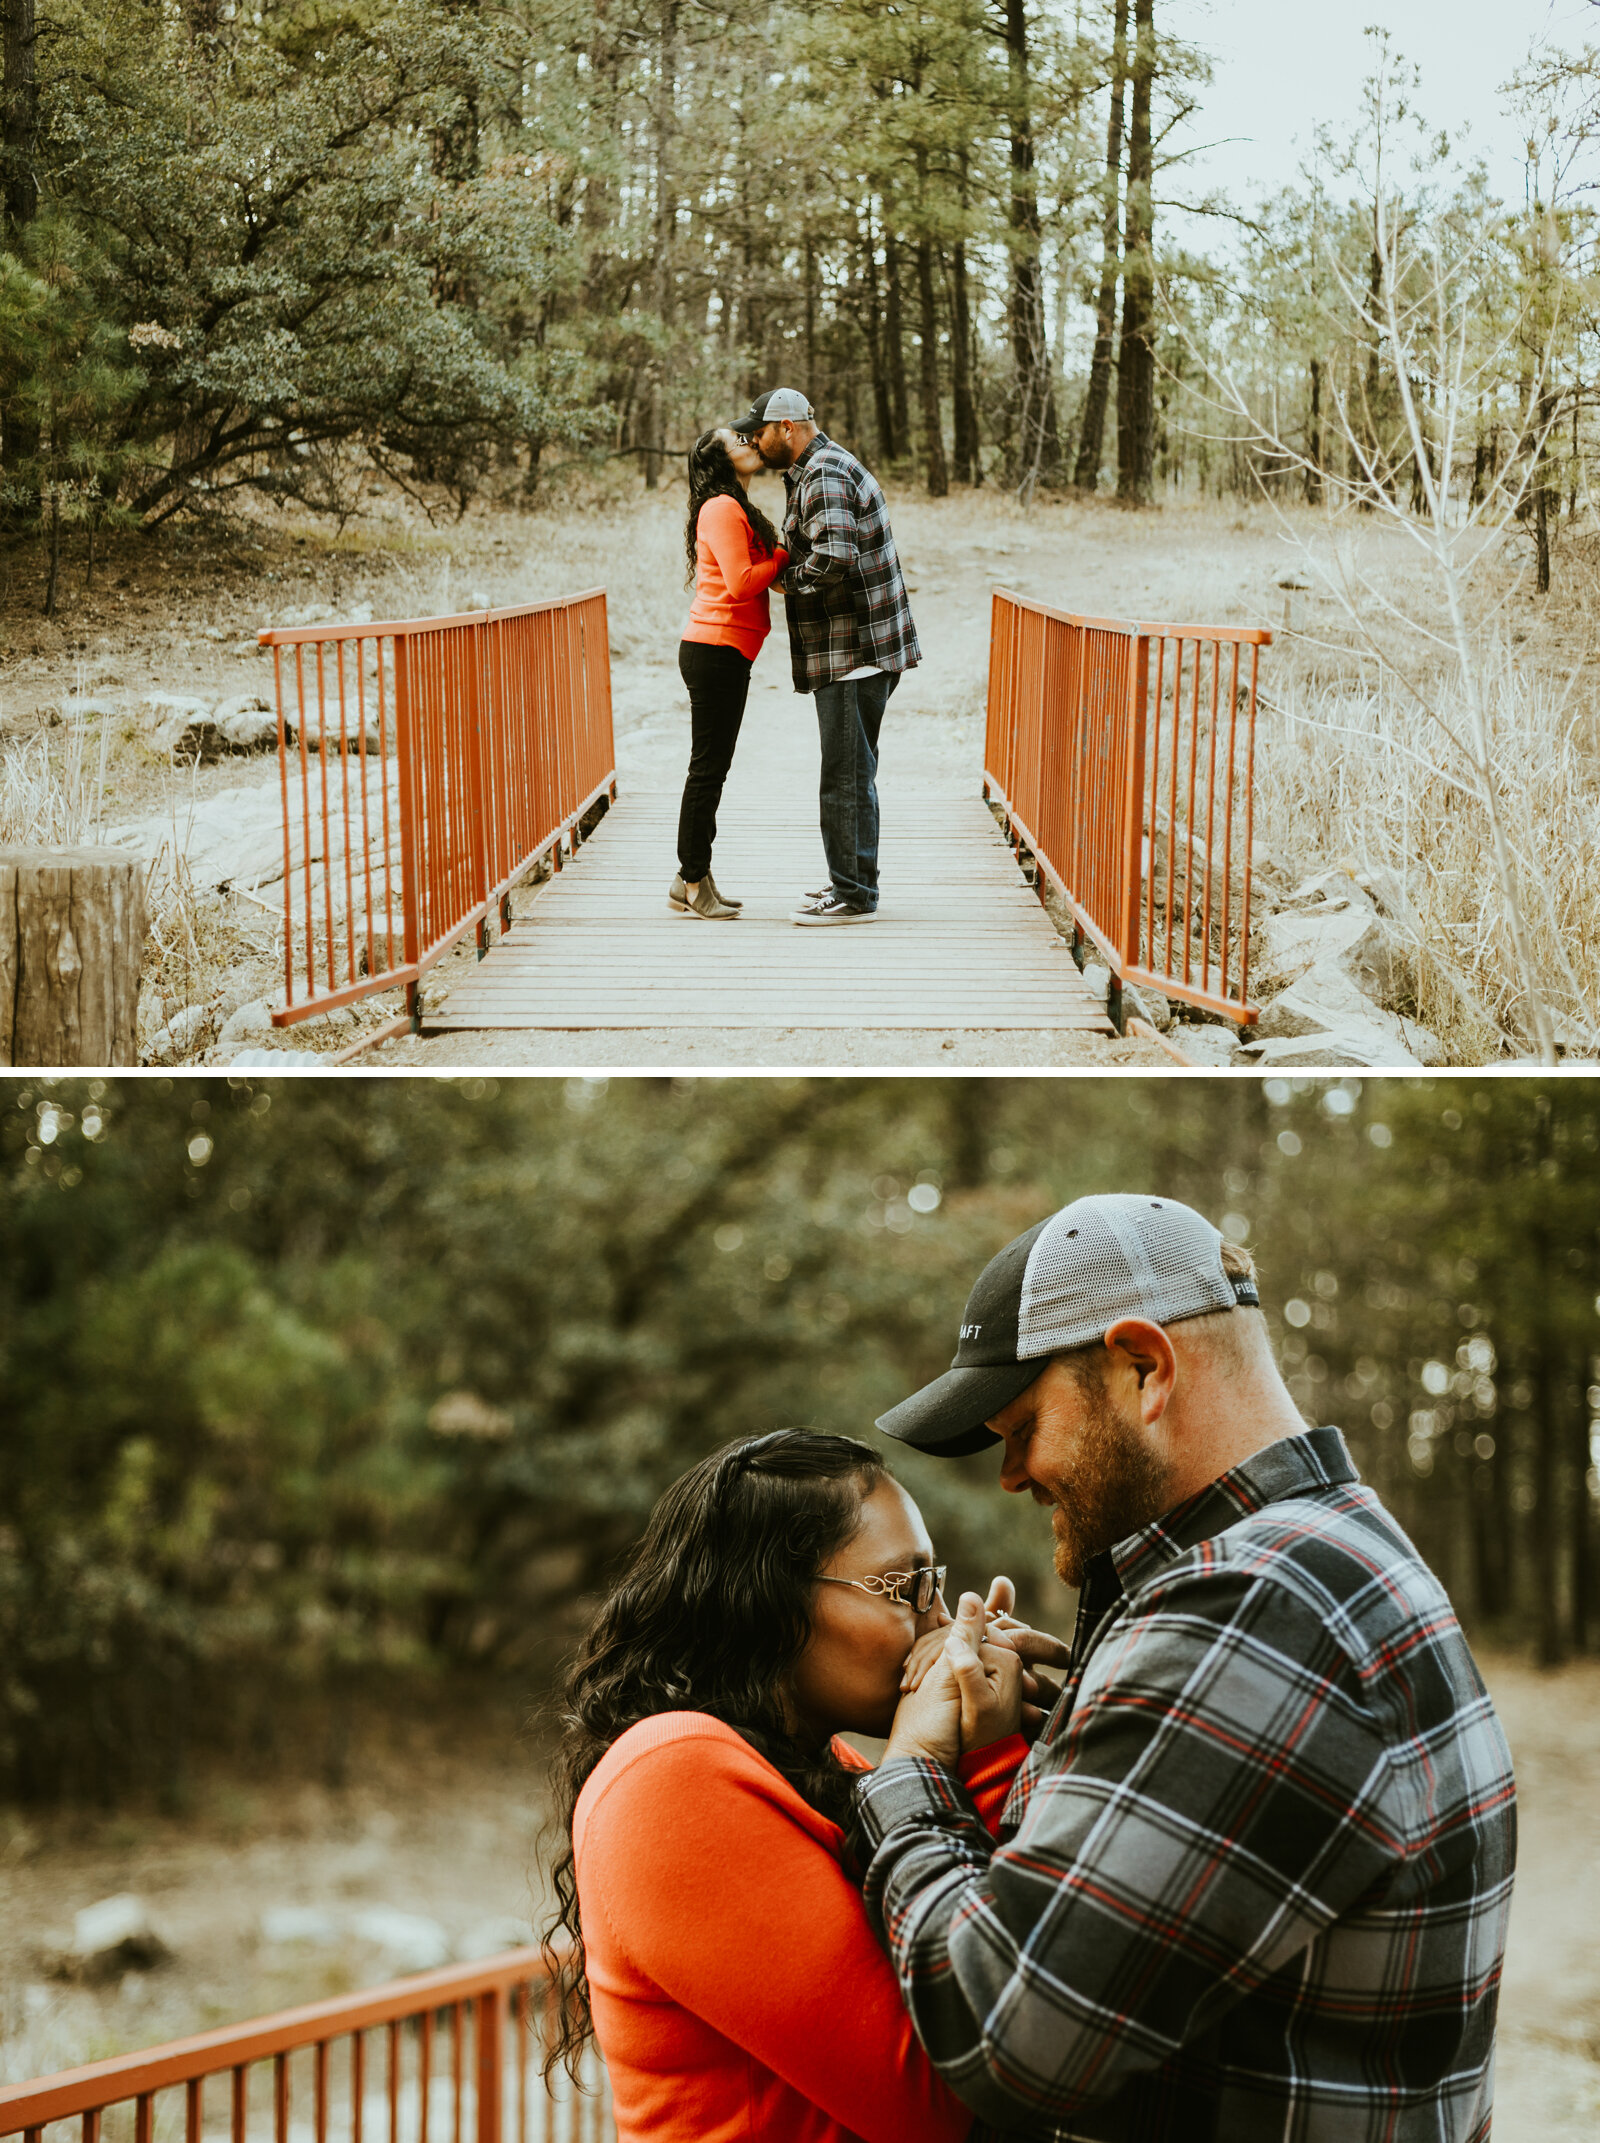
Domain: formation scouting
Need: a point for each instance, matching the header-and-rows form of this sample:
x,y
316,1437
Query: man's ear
x,y
1146,1350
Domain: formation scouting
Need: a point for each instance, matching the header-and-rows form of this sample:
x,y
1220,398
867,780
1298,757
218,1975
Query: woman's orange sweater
x,y
732,573
738,1992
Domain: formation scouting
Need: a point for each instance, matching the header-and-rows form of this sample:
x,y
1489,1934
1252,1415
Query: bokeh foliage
x,y
333,1386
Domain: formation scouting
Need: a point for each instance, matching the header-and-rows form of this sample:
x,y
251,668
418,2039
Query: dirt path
x,y
446,1826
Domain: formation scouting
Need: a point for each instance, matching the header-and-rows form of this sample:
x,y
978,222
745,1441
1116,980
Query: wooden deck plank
x,y
960,942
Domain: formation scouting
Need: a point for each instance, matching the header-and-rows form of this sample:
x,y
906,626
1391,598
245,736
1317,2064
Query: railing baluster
x,y
280,2098
424,2072
239,2105
358,2085
192,2122
319,2085
457,2017
394,2083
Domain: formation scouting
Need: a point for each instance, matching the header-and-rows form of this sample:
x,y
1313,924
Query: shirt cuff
x,y
908,1788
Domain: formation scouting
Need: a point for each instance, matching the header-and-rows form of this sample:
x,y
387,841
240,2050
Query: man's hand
x,y
972,1695
1035,1648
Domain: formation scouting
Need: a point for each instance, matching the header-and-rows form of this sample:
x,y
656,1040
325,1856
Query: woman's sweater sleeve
x,y
731,540
987,1775
721,1898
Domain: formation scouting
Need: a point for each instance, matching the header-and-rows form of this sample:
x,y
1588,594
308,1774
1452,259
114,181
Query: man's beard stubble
x,y
1117,1485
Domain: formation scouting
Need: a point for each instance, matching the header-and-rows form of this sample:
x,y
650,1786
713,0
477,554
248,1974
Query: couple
x,y
1246,1875
850,637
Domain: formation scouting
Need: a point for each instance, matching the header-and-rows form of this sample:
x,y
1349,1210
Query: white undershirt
x,y
867,669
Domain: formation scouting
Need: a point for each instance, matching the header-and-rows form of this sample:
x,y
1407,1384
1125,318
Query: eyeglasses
x,y
916,1589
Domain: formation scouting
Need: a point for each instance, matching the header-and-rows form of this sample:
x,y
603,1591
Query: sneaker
x,y
704,903
831,909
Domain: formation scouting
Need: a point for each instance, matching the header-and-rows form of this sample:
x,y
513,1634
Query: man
x,y
850,634
1253,1877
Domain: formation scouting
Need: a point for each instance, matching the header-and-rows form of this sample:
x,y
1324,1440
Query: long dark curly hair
x,y
711,1615
712,475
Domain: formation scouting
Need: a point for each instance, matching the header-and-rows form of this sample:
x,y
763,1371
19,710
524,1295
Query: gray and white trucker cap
x,y
772,408
1064,1284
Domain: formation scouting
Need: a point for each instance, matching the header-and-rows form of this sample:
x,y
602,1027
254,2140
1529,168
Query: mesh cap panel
x,y
1116,1256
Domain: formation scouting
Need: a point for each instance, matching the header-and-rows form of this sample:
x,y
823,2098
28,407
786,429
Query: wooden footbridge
x,y
428,767
959,941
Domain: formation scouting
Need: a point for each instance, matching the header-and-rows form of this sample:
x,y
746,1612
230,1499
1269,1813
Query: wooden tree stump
x,y
72,927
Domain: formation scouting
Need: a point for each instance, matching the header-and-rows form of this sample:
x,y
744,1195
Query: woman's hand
x,y
967,1695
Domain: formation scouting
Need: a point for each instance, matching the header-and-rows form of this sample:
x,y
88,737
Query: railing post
x,y
491,2064
1131,872
406,773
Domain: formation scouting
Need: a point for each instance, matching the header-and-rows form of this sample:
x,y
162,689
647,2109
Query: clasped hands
x,y
975,1680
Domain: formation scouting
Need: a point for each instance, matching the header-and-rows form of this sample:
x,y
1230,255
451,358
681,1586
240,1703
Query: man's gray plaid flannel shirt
x,y
844,592
1253,1879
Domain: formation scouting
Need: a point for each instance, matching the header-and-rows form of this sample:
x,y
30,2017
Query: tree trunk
x,y
968,464
665,226
882,410
1314,438
809,384
1091,435
72,927
20,119
1581,1510
52,584
928,321
894,327
1541,493
1136,367
1375,447
1038,438
1545,1540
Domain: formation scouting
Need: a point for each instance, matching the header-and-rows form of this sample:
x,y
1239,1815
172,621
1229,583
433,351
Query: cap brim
x,y
745,426
947,1417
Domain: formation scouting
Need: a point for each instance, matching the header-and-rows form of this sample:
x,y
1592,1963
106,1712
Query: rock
x,y
1354,1049
275,1060
1345,934
1097,980
245,1024
490,1937
1325,1009
477,600
109,1938
1141,1001
247,723
180,1036
83,707
1335,885
410,1941
1206,1045
298,1923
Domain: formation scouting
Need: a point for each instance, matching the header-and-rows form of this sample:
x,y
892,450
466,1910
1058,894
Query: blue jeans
x,y
849,716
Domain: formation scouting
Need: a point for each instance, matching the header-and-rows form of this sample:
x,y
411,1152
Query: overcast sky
x,y
1284,67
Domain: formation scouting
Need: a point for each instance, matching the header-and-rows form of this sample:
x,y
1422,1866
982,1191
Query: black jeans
x,y
719,683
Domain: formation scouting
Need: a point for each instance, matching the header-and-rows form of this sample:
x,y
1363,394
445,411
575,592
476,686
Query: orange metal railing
x,y
1123,756
476,2089
425,765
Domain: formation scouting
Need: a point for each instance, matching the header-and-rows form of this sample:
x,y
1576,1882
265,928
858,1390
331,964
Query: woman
x,y
734,557
721,1953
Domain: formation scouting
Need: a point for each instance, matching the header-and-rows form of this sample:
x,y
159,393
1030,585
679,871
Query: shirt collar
x,y
805,455
1294,1465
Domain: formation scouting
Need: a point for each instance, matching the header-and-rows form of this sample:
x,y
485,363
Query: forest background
x,y
317,246
325,1396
